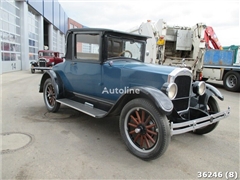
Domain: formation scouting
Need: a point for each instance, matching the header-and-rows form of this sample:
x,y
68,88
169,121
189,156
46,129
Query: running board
x,y
85,108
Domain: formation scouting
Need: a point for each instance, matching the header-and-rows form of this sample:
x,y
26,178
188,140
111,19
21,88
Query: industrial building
x,y
27,26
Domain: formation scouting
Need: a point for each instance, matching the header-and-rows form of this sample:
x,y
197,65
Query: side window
x,y
87,46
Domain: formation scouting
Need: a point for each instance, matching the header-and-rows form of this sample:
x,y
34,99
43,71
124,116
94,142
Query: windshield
x,y
127,48
46,54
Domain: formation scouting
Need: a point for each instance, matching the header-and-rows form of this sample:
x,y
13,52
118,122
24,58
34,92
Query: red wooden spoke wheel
x,y
144,129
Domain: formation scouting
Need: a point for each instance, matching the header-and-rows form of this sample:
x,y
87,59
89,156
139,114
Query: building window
x,y
61,43
71,26
10,31
33,35
54,39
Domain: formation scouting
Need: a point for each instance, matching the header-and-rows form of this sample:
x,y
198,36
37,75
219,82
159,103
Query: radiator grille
x,y
184,84
42,63
181,102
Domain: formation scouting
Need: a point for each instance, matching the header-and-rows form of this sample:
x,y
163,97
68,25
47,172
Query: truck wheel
x,y
231,81
144,130
49,96
212,109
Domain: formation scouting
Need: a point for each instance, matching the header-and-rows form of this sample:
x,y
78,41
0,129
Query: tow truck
x,y
196,48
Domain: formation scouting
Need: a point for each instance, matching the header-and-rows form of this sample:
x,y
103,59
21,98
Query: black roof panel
x,y
108,31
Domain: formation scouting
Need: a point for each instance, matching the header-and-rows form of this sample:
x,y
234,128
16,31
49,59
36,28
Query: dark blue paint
x,y
91,78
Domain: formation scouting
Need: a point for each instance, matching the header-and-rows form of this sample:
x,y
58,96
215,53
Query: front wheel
x,y
144,130
231,81
212,108
49,96
32,69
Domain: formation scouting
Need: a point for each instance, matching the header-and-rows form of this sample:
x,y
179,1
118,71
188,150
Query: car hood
x,y
135,73
144,67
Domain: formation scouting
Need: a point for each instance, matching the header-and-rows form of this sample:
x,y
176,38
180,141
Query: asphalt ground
x,y
71,145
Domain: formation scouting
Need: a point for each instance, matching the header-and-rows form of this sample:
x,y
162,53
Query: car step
x,y
85,108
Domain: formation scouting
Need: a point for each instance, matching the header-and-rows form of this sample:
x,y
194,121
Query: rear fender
x,y
55,80
157,97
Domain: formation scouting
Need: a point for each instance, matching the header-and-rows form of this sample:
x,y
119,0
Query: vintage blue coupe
x,y
104,74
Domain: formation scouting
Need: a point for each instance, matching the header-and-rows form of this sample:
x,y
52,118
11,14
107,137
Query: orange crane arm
x,y
210,36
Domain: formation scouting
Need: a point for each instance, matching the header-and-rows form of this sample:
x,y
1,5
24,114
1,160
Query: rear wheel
x,y
144,130
212,108
49,96
231,81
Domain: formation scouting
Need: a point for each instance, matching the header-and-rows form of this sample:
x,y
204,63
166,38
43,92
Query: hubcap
x,y
231,81
141,129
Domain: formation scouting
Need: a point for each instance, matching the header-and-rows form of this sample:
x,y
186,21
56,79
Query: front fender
x,y
210,91
157,97
34,63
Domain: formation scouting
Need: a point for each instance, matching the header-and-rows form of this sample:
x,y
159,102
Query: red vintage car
x,y
46,59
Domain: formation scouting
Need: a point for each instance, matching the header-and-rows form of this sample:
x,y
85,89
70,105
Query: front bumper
x,y
192,125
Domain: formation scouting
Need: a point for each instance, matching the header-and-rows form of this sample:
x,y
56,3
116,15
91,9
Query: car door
x,y
111,81
83,72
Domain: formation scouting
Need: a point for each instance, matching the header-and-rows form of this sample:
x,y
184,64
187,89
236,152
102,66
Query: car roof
x,y
48,51
108,31
45,51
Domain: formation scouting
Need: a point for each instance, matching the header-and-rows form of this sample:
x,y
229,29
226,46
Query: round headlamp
x,y
172,90
199,87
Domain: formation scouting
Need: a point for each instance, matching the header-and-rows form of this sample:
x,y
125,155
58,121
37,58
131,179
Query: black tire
x,y
49,96
231,81
144,130
32,71
212,109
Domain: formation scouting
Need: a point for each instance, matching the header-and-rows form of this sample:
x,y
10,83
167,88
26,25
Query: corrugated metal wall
x,y
52,11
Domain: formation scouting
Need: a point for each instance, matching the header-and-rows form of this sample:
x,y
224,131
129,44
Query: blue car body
x,y
91,79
